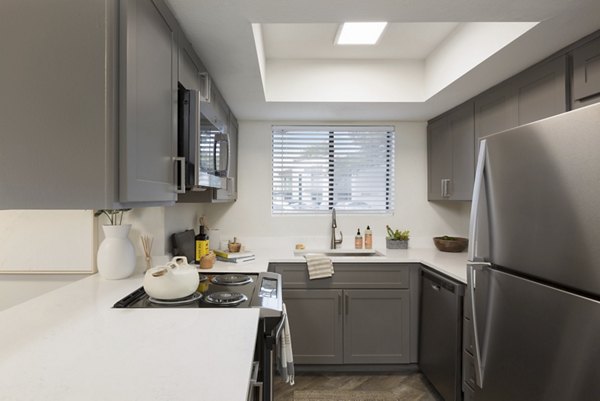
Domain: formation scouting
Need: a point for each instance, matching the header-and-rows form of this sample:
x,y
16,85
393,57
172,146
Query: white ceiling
x,y
221,32
413,40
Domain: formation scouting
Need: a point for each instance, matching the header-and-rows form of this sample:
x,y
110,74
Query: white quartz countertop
x,y
453,265
70,344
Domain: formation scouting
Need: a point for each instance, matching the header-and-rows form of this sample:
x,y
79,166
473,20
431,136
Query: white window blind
x,y
316,169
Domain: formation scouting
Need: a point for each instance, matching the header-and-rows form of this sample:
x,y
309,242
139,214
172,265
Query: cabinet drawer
x,y
347,275
468,344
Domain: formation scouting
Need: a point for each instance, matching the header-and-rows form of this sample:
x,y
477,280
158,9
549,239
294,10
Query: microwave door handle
x,y
215,145
221,138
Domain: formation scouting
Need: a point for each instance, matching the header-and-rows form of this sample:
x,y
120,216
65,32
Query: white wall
x,y
250,217
344,81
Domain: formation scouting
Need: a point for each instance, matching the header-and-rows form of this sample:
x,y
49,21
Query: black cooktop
x,y
237,292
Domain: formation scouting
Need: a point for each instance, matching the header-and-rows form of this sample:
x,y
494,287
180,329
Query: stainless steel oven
x,y
233,290
202,147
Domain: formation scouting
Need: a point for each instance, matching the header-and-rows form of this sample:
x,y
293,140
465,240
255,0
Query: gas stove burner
x,y
203,277
179,301
232,279
225,298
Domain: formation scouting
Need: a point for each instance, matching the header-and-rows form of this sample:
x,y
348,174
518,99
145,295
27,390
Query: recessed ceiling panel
x,y
316,41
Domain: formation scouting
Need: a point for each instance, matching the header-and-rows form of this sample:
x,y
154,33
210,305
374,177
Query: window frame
x,y
390,155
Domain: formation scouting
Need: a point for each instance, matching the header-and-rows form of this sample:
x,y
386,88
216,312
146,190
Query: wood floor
x,y
386,386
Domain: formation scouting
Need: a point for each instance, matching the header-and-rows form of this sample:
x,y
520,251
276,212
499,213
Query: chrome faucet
x,y
335,242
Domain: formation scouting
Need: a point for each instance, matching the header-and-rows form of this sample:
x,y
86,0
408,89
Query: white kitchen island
x,y
71,345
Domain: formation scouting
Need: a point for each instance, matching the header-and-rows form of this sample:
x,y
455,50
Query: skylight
x,y
359,33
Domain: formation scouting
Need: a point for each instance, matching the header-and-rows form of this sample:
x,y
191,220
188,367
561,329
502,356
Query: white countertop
x,y
70,344
453,265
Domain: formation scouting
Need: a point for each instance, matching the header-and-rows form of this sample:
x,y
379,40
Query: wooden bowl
x,y
456,244
234,246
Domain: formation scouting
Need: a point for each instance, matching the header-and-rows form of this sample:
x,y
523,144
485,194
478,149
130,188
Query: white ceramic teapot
x,y
176,279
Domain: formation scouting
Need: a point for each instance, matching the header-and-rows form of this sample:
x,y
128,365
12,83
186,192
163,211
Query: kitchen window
x,y
348,168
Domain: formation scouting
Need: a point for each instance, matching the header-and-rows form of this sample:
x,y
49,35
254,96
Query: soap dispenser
x,y
368,238
358,240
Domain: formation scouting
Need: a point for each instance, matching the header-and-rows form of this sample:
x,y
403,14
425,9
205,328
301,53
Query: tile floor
x,y
398,386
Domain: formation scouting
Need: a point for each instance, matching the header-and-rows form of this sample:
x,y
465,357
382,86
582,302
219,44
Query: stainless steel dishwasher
x,y
440,333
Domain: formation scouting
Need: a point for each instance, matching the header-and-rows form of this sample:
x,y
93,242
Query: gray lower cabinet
x,y
451,163
362,315
87,111
586,74
316,325
376,326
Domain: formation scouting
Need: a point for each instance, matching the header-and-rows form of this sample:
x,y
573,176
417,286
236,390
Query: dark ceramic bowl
x,y
457,244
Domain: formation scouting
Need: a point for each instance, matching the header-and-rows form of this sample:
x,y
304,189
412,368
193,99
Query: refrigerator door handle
x,y
471,280
478,192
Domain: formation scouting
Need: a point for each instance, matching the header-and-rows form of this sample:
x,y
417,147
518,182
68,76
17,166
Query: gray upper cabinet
x,y
148,97
450,142
190,66
586,74
535,93
88,112
216,110
495,111
541,91
57,109
229,193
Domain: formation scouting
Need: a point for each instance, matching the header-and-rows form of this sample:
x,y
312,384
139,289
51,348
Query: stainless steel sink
x,y
339,253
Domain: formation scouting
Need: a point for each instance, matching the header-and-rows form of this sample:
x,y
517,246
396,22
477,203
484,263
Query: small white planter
x,y
396,244
116,256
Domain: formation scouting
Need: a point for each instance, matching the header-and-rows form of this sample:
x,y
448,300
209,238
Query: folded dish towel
x,y
285,361
319,266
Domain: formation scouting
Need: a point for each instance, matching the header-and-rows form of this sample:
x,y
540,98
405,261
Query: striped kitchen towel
x,y
285,361
319,266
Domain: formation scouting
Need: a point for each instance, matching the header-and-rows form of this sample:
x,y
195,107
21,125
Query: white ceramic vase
x,y
116,256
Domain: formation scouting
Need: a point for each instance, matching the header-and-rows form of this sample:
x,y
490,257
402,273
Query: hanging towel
x,y
285,360
319,266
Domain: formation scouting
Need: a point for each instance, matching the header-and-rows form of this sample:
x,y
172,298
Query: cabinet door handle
x,y
435,287
180,185
207,89
339,303
347,304
443,190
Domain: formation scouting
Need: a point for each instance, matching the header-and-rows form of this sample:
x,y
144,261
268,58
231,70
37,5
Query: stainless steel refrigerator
x,y
534,272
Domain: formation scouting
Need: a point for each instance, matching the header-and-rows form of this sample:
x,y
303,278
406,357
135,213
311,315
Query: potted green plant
x,y
396,239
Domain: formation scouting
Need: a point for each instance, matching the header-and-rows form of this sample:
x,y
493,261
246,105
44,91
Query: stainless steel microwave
x,y
202,145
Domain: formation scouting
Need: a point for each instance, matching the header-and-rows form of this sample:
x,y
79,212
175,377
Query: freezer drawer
x,y
535,342
440,334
